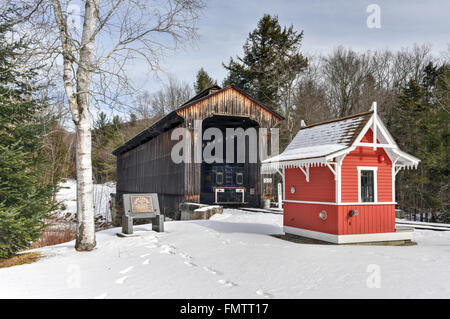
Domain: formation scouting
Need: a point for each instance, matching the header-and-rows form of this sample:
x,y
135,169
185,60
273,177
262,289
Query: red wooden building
x,y
339,180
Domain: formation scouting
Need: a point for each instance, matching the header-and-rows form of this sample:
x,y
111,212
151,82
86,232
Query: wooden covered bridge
x,y
145,163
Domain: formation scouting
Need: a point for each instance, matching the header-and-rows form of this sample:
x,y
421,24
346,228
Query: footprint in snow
x,y
190,264
227,283
263,294
121,280
226,242
166,249
101,296
146,262
145,255
212,271
185,256
124,271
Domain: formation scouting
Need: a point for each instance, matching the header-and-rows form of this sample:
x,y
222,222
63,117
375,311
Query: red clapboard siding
x,y
306,216
366,156
370,219
320,188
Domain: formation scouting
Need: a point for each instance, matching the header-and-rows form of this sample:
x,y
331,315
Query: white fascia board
x,y
344,152
385,132
407,156
363,131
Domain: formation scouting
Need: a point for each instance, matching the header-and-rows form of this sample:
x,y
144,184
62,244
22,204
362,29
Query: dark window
x,y
367,186
239,178
219,178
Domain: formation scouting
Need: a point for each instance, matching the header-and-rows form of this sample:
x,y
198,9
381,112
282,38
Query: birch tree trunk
x,y
80,105
85,188
175,18
85,240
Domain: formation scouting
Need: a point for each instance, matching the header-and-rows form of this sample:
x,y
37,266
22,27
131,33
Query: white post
x,y
280,197
374,108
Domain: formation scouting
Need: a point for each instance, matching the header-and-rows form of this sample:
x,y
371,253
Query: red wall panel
x,y
306,216
370,219
320,188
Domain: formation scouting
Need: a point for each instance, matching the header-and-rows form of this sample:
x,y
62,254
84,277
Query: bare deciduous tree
x,y
95,44
173,94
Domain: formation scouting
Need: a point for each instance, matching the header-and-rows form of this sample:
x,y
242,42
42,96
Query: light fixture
x,y
292,189
323,215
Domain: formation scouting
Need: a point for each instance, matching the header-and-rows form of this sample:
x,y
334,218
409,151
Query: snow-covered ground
x,y
232,256
67,195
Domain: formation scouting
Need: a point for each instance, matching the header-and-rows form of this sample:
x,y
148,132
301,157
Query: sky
x,y
225,24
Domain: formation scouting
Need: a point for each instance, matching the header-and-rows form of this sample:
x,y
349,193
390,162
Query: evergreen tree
x,y
271,56
25,199
422,128
203,81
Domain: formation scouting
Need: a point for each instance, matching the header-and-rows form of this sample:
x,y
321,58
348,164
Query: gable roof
x,y
319,143
205,94
173,119
324,138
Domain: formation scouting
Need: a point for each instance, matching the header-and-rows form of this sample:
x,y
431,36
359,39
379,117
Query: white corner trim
x,y
348,239
375,184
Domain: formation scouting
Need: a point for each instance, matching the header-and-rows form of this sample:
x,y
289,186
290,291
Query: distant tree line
x,y
411,87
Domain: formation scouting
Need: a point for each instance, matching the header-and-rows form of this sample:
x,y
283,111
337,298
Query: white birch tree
x,y
95,41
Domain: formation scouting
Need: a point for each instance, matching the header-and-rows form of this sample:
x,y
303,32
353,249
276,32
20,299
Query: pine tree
x,y
25,200
271,56
422,128
203,81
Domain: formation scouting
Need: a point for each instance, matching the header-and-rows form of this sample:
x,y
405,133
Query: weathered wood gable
x,y
228,101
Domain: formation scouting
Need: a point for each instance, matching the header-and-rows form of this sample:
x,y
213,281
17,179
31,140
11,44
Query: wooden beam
x,y
376,145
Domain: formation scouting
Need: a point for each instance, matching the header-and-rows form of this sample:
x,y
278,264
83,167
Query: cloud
x,y
225,25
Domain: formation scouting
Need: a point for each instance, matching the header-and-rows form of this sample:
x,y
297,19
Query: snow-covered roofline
x,y
320,143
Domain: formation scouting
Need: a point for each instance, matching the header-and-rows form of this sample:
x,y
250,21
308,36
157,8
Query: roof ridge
x,y
337,119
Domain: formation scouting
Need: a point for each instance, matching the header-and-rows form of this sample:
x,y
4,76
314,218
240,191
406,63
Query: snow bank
x,y
67,195
232,255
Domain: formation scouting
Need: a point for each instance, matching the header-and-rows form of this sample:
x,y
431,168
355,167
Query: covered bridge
x,y
145,163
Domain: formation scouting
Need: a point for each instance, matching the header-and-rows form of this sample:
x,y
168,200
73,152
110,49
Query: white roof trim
x,y
292,158
407,160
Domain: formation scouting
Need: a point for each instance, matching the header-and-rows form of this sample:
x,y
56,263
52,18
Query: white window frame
x,y
375,183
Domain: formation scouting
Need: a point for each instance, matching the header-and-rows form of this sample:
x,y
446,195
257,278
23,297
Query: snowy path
x,y
232,256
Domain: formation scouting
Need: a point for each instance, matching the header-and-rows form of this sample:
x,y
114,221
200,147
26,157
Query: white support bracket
x,y
281,174
332,170
306,172
398,168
